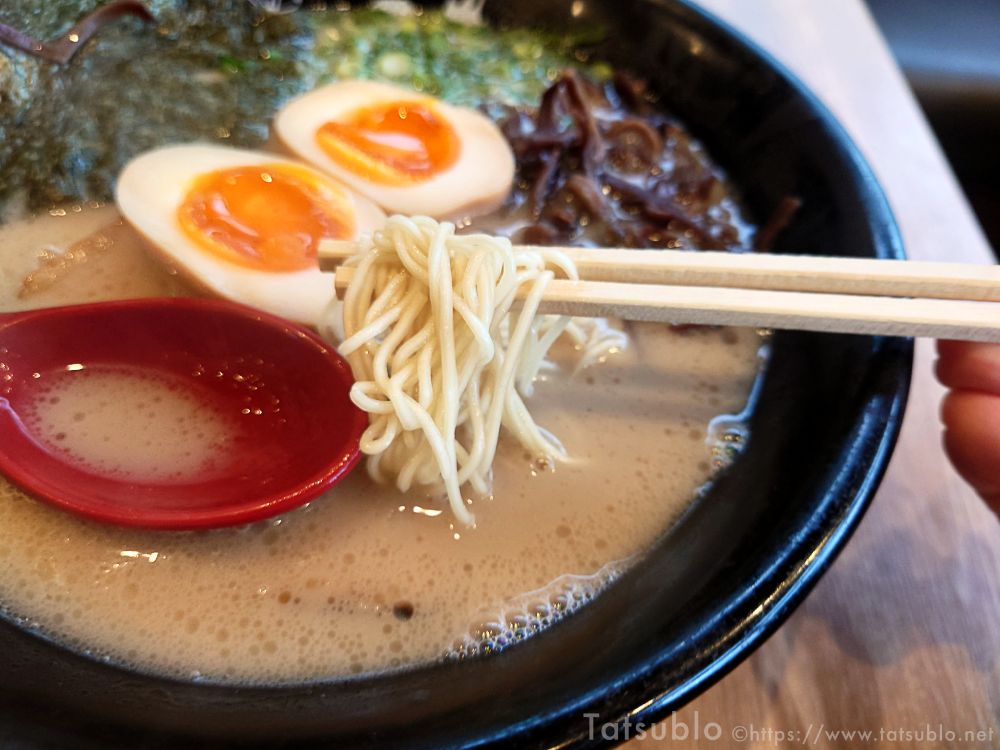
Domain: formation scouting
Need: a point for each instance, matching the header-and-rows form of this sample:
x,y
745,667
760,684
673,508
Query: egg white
x,y
153,186
478,181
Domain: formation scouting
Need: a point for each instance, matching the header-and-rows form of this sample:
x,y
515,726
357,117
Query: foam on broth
x,y
132,425
365,579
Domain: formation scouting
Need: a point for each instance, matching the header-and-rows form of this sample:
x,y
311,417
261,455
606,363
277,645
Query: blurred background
x,y
950,53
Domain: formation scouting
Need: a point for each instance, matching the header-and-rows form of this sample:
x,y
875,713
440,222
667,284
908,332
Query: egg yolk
x,y
269,217
394,143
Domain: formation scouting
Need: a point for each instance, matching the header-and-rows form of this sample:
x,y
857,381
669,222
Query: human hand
x,y
971,413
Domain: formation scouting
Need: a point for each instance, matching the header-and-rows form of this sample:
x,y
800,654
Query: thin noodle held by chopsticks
x,y
442,357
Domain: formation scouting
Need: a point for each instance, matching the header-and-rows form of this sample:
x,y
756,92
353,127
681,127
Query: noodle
x,y
442,356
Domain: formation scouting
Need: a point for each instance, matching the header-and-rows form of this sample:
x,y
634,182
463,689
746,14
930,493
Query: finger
x,y
972,440
969,366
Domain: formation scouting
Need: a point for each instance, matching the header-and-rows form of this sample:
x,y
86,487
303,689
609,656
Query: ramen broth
x,y
132,425
363,579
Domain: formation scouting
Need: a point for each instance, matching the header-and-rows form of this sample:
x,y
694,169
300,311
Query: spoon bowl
x,y
283,392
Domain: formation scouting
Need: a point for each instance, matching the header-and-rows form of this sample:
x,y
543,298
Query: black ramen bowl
x,y
827,411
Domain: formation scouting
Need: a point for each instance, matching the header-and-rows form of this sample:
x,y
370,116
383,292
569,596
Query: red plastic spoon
x,y
287,393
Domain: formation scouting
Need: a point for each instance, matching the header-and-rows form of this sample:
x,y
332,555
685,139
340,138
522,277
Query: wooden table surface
x,y
902,635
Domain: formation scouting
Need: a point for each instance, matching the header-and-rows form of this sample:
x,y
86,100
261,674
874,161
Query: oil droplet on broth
x,y
133,425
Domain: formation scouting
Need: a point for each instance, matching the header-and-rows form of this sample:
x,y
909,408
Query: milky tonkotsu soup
x,y
363,579
131,425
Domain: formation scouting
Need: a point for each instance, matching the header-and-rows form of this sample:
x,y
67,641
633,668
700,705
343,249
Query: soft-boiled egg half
x,y
245,225
408,152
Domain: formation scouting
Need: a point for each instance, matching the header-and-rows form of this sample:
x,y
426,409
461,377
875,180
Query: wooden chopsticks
x,y
811,293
